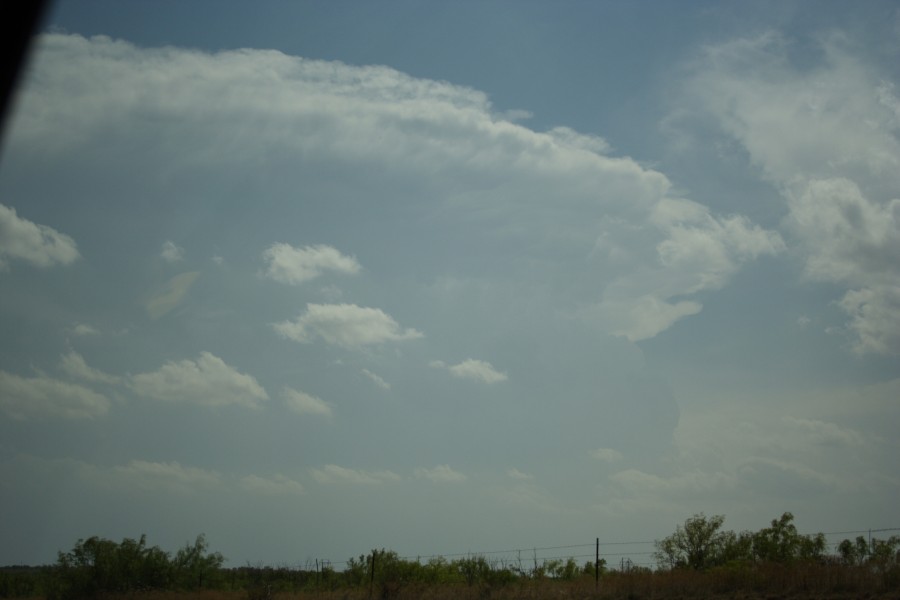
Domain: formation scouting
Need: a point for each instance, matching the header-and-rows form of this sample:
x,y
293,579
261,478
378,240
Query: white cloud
x,y
376,379
440,474
39,245
37,397
74,365
607,455
303,403
344,325
477,370
287,264
171,252
547,196
334,474
826,135
275,485
171,294
207,381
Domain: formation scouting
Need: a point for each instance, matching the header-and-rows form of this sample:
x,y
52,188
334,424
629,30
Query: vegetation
x,y
699,559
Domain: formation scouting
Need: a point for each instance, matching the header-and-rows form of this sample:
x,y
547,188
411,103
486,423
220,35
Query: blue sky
x,y
314,278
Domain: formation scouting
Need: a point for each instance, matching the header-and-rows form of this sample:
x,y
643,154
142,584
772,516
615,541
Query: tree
x,y
698,544
194,566
781,543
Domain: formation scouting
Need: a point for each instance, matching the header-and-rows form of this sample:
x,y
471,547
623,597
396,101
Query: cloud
x,y
83,329
476,370
825,134
303,403
440,474
334,474
376,379
207,381
514,473
825,433
73,364
344,325
168,476
559,199
276,485
287,264
607,455
28,398
38,245
171,294
171,252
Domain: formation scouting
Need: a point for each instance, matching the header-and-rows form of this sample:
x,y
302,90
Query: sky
x,y
316,278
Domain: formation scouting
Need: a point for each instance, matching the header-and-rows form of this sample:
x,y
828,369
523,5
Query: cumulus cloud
x,y
74,365
206,381
826,135
376,379
287,264
476,370
440,474
276,485
303,403
334,474
345,325
38,245
171,252
38,397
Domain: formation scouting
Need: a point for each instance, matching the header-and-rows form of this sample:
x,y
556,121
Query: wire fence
x,y
616,556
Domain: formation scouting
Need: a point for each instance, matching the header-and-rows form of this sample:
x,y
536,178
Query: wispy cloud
x,y
38,397
334,474
476,370
303,403
171,294
171,252
376,379
440,474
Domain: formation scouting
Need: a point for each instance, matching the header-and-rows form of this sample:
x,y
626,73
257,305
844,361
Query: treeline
x,y
700,543
698,558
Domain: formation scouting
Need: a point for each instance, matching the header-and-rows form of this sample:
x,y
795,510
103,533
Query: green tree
x,y
194,566
698,544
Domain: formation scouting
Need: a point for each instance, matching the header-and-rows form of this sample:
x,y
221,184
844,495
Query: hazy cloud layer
x,y
476,370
